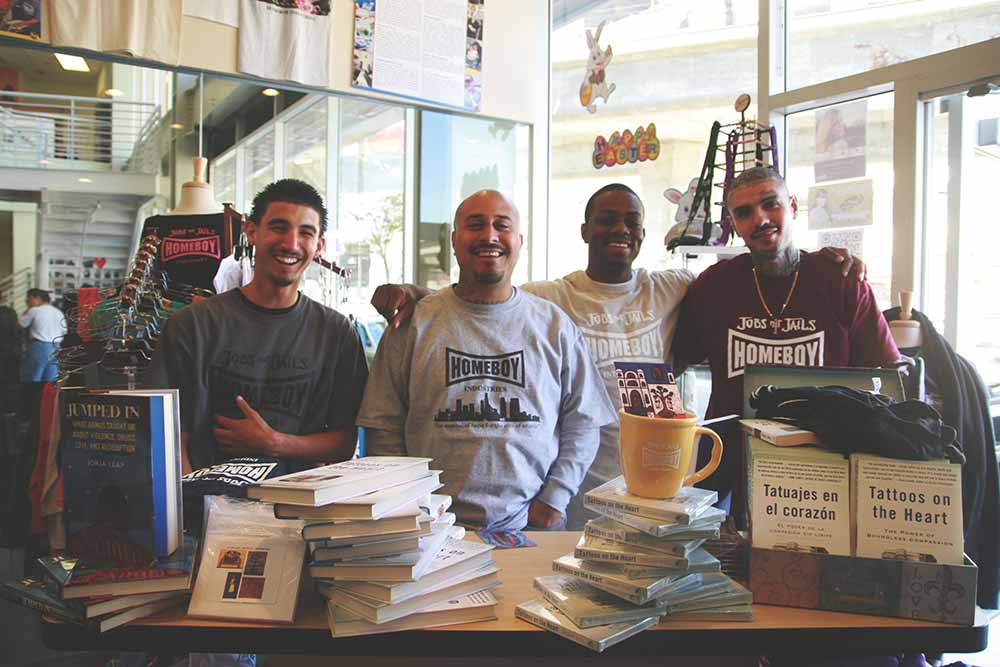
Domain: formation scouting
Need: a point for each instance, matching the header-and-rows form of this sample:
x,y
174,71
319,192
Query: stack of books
x,y
641,562
100,596
383,549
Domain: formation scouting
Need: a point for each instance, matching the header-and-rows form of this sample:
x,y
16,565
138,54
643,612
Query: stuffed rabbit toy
x,y
594,84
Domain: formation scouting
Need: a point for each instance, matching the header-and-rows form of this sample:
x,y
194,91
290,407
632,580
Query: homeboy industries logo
x,y
743,350
173,248
461,367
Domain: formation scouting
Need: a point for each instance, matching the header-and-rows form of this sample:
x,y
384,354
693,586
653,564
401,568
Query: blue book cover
x,y
119,458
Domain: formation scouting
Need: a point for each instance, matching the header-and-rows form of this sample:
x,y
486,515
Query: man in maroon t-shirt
x,y
777,304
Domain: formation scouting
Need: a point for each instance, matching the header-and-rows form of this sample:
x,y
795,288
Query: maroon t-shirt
x,y
830,321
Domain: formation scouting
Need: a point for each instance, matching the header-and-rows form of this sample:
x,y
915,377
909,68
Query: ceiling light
x,y
113,92
85,180
270,92
176,126
72,63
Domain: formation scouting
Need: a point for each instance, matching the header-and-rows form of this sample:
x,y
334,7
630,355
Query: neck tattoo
x,y
776,319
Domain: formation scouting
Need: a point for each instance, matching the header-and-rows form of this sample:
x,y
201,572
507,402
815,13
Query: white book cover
x,y
340,481
799,498
704,525
778,433
472,608
396,500
597,638
457,561
908,510
335,530
379,612
324,555
679,509
587,605
612,580
248,577
700,560
401,567
611,530
595,548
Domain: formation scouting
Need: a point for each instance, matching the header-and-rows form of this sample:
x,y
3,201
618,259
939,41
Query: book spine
x,y
639,539
49,609
560,630
631,594
158,473
584,553
593,503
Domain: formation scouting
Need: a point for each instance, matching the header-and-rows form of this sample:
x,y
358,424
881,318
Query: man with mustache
x,y
777,304
263,370
494,383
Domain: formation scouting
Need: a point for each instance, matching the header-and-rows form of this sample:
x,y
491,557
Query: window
x,y
459,156
369,236
840,169
679,65
960,262
829,39
223,179
305,144
258,165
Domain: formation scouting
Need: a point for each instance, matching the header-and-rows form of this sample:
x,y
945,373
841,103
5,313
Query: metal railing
x,y
89,133
15,287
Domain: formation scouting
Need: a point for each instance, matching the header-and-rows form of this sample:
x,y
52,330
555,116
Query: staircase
x,y
86,239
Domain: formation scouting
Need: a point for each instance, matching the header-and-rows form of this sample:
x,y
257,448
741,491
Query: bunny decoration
x,y
594,84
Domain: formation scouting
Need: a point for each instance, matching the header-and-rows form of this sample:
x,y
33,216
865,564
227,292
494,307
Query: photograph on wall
x,y
21,18
844,204
280,39
421,50
840,141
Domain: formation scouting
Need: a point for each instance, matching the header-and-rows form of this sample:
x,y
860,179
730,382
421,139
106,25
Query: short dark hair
x,y
610,187
36,293
293,191
755,175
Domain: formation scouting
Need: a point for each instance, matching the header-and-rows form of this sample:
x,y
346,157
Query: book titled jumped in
x,y
121,473
681,509
340,481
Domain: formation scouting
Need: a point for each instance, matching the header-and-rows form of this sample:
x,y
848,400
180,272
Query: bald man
x,y
495,384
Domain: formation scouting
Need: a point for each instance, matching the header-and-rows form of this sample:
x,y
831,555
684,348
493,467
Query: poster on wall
x,y
21,18
422,49
836,205
840,141
286,39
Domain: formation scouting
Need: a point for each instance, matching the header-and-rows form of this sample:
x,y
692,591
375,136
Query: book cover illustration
x,y
908,510
117,475
648,390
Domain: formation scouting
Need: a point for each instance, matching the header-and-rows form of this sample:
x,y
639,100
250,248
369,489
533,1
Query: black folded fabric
x,y
850,420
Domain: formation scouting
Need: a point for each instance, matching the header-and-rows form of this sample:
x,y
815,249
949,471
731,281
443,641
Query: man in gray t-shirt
x,y
493,383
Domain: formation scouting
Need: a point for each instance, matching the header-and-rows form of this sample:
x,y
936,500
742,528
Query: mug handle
x,y
713,463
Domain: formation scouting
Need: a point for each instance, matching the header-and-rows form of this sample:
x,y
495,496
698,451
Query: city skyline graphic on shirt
x,y
508,410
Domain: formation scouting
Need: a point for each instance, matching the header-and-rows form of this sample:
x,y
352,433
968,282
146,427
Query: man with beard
x,y
495,384
775,305
263,370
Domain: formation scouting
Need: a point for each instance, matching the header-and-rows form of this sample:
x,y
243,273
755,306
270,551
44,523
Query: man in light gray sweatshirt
x,y
495,384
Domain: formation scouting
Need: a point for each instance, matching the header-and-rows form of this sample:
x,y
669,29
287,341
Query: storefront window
x,y
829,39
305,144
258,165
369,235
223,179
679,65
460,156
840,170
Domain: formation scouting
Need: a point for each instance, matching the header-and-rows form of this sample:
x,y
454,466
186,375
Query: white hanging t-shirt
x,y
136,28
285,42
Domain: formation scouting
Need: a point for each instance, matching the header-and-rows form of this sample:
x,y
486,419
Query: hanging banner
x,y
420,49
286,39
626,147
840,141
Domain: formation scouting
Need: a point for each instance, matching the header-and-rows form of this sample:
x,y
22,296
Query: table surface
x,y
773,630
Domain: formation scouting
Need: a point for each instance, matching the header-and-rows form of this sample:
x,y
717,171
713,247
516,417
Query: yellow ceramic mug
x,y
656,454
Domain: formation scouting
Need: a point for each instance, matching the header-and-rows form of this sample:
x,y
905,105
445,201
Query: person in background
x,y
46,326
493,383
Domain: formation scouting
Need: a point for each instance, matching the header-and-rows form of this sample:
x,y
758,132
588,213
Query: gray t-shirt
x,y
302,368
504,398
633,321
